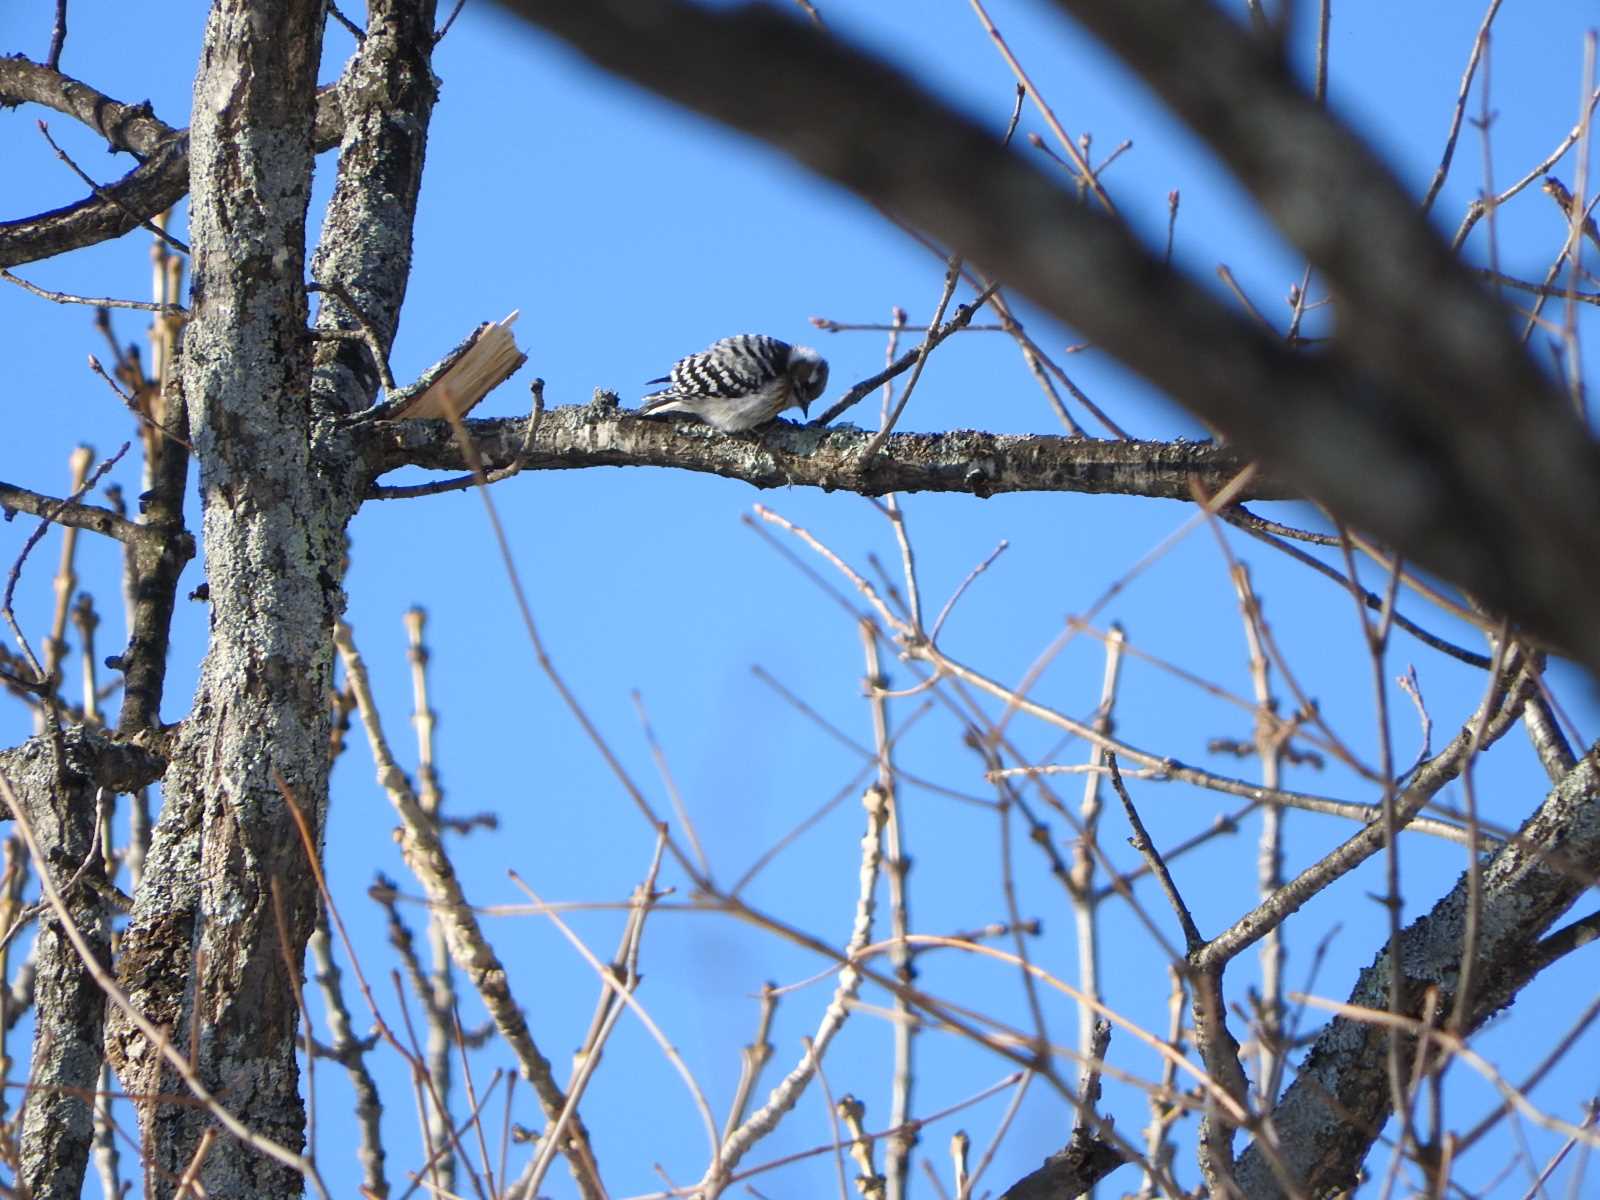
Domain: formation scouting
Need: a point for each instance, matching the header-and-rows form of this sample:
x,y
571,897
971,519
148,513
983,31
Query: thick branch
x,y
131,127
388,92
56,783
1424,423
785,455
1407,306
88,755
1329,1117
151,188
159,182
58,1125
1069,1172
71,513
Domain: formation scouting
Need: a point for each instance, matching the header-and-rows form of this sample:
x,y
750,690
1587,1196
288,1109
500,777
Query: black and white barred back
x,y
741,382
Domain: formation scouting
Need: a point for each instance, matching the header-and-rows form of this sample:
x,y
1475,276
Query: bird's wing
x,y
732,366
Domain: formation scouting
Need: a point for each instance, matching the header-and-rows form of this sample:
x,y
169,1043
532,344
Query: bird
x,y
740,382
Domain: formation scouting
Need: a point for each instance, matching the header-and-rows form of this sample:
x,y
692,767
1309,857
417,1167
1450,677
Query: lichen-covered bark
x,y
784,454
226,903
387,95
56,783
58,1123
1328,1119
205,951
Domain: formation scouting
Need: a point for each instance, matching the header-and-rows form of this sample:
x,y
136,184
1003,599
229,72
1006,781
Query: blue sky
x,y
629,233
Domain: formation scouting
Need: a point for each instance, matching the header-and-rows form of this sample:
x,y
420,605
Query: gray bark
x,y
226,906
1328,1118
386,99
205,954
785,455
57,782
155,185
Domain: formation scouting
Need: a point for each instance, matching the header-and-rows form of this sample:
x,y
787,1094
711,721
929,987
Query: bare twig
x,y
95,301
107,194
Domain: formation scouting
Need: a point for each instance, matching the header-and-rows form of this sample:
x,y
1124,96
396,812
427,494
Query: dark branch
x,y
784,455
154,568
70,513
159,182
1423,422
151,188
58,35
130,127
1069,1172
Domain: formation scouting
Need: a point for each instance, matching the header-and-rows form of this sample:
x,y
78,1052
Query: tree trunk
x,y
227,902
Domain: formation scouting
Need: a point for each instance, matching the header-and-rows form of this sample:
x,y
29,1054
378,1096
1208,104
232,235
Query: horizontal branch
x,y
70,513
159,182
131,127
1423,422
87,754
785,455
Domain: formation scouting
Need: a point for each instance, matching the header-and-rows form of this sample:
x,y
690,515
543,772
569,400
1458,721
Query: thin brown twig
x,y
897,867
423,853
1270,742
131,403
1146,848
732,1149
350,26
905,362
59,511
1085,905
1479,207
1085,174
961,588
369,331
437,988
1006,1118
631,1001
95,301
1580,224
66,578
828,1147
613,991
547,664
753,1059
673,794
951,277
1276,535
1032,352
1462,92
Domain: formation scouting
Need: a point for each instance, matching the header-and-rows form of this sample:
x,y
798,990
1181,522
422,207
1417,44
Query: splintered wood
x,y
476,368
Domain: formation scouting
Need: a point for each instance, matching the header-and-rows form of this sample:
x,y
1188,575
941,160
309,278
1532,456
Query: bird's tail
x,y
668,401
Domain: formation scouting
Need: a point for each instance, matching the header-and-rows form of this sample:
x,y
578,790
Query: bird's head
x,y
808,375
